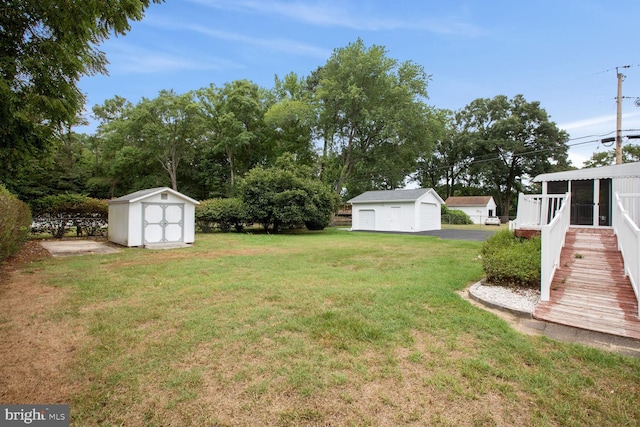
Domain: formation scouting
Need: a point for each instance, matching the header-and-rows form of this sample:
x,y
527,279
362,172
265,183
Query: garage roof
x,y
394,195
625,170
468,200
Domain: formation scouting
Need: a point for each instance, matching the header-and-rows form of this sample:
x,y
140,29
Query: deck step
x,y
589,289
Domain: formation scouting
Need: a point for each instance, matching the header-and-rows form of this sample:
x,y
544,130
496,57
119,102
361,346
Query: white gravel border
x,y
520,301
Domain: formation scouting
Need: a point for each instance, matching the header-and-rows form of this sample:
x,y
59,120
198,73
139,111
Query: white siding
x,y
420,215
189,223
626,185
135,224
477,213
118,230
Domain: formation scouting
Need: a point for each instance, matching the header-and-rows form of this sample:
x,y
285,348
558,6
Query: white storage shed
x,y
397,210
154,216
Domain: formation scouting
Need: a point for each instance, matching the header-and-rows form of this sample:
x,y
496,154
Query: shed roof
x,y
468,200
625,170
143,194
394,195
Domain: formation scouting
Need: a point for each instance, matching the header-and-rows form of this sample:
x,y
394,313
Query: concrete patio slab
x,y
62,248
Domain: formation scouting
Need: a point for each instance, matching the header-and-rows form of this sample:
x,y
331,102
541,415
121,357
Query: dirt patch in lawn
x,y
36,352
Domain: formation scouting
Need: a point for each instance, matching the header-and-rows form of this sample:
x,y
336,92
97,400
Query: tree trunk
x,y
231,166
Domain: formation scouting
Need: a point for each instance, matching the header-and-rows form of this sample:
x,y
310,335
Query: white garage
x,y
397,210
479,208
154,216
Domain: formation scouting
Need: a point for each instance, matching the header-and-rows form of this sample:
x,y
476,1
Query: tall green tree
x,y
233,117
46,47
452,155
512,139
372,117
168,128
291,118
118,163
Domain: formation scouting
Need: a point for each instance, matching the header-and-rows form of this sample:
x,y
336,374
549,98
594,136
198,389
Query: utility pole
x,y
619,116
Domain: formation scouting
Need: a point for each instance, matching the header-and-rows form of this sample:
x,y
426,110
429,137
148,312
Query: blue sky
x,y
562,53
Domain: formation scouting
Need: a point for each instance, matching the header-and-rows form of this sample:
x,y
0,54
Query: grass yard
x,y
327,328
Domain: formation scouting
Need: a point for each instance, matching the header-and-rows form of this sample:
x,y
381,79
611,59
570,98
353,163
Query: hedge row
x,y
63,212
512,261
221,213
454,216
15,219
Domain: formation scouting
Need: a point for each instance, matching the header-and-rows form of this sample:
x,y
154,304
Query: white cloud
x,y
586,135
129,59
283,45
279,44
601,125
340,14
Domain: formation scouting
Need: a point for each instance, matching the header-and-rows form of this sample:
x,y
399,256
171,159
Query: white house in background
x,y
479,208
154,216
397,210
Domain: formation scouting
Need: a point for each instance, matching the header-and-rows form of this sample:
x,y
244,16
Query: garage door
x,y
162,222
428,216
367,219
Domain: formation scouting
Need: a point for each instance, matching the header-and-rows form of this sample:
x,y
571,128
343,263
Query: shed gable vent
x,y
164,196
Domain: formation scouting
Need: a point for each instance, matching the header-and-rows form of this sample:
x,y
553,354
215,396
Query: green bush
x,y
454,216
15,220
287,196
221,213
59,213
508,260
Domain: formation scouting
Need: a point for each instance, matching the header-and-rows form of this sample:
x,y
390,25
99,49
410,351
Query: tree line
x,y
359,122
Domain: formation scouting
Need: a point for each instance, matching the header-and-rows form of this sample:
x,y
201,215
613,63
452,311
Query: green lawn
x,y
325,328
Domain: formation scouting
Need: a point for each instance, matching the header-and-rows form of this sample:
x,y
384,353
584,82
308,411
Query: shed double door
x,y
162,222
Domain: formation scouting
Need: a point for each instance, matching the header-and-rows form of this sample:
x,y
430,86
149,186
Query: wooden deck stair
x,y
589,289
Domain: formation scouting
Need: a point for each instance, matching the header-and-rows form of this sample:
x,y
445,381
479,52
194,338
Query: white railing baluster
x,y
553,236
625,225
536,210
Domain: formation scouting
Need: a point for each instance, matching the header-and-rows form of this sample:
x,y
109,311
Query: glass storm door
x,y
582,202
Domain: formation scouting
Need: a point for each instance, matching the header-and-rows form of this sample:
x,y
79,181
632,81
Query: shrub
x,y
508,260
454,216
15,219
59,213
287,196
223,213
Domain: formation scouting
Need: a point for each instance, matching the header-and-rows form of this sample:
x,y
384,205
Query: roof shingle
x,y
468,200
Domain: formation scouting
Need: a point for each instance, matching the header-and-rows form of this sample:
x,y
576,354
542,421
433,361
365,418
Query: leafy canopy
x,y
47,46
372,117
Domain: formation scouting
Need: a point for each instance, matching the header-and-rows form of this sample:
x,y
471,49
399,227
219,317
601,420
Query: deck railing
x,y
536,210
553,234
626,212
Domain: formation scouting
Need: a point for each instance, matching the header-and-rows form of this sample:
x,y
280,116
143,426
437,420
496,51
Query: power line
x,y
526,153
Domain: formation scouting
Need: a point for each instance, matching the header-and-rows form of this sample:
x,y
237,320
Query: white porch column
x,y
596,202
